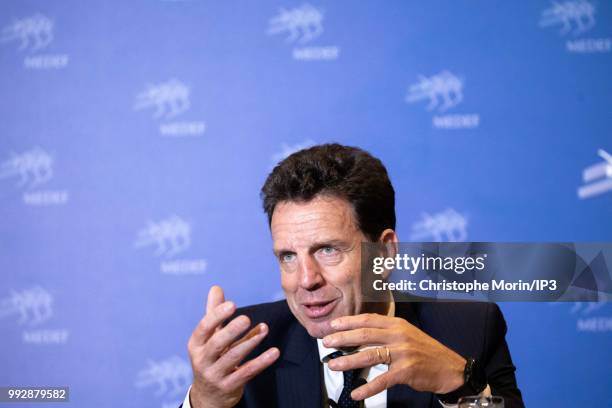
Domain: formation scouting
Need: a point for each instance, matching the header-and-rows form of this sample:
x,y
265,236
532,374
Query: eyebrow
x,y
314,247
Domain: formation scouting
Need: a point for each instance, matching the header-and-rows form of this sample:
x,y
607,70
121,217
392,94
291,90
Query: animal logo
x,y
444,91
170,236
33,306
574,16
447,225
590,300
169,99
33,33
586,308
303,23
33,167
171,376
598,177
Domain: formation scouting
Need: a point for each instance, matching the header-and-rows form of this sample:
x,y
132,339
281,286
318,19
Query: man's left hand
x,y
417,359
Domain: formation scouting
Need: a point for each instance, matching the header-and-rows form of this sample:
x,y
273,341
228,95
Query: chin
x,y
319,329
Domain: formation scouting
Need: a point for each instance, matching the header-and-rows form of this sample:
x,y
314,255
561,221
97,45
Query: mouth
x,y
318,310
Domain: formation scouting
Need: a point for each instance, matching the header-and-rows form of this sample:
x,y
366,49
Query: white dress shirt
x,y
334,380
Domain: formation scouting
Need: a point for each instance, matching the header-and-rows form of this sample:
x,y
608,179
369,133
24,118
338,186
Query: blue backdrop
x,y
135,137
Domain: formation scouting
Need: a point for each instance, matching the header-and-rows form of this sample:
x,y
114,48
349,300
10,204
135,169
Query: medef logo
x,y
301,25
170,378
598,177
575,18
443,91
593,317
448,225
170,237
33,307
32,169
587,322
168,100
33,34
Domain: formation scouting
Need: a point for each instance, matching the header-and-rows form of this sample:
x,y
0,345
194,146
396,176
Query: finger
x,y
251,368
362,359
238,351
358,337
211,321
222,339
373,320
252,333
215,298
378,384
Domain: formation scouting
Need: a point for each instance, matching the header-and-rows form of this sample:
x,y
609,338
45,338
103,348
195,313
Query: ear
x,y
389,243
389,240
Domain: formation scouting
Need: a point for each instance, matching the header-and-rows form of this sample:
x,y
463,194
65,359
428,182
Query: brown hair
x,y
340,171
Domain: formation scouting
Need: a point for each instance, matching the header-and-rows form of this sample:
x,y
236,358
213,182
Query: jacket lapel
x,y
298,376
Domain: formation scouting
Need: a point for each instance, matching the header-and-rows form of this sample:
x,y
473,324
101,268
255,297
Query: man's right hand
x,y
216,352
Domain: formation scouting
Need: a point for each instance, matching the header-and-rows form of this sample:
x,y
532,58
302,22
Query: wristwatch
x,y
474,382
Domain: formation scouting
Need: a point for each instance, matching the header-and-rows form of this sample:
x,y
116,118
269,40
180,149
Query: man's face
x,y
318,246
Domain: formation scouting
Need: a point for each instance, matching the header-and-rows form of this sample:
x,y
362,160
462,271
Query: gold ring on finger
x,y
388,356
380,358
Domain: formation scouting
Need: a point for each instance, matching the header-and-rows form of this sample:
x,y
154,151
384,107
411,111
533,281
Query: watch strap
x,y
474,382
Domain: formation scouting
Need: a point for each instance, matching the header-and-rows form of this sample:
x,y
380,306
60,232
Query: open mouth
x,y
315,310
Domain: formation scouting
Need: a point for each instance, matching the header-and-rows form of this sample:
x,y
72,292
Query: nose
x,y
310,277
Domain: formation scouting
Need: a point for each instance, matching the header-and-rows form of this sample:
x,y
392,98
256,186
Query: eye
x,y
329,255
328,251
286,257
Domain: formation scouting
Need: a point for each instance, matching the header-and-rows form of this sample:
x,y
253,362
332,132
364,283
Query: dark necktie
x,y
351,381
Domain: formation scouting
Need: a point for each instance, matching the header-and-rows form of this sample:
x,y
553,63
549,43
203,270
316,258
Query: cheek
x,y
344,275
348,281
288,282
344,281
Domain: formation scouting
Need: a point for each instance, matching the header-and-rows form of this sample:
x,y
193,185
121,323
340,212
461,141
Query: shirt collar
x,y
325,351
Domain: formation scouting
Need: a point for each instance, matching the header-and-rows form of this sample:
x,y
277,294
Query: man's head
x,y
322,203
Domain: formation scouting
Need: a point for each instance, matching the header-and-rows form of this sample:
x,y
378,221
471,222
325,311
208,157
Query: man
x,y
324,345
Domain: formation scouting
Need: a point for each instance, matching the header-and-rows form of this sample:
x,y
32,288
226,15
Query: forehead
x,y
321,219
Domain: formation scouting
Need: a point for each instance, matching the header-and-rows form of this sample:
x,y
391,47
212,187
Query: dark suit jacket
x,y
296,380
